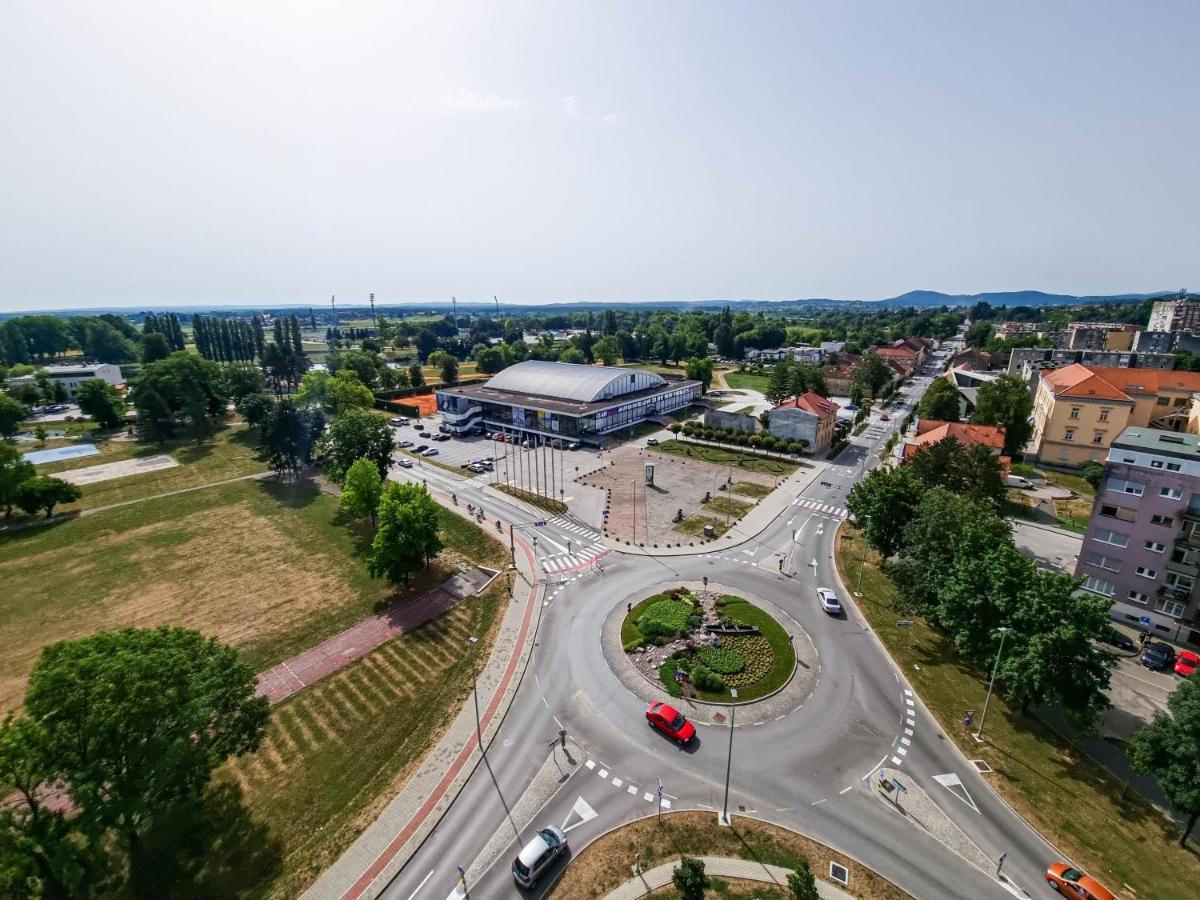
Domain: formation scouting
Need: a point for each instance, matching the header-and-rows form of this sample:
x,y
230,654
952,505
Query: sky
x,y
158,154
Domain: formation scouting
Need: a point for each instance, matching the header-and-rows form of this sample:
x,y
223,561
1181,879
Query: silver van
x,y
538,855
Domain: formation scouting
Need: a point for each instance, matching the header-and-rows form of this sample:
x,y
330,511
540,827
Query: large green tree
x,y
289,436
43,493
872,373
244,379
13,473
941,401
607,350
347,392
134,723
408,535
154,347
356,434
103,402
1008,403
12,414
883,503
689,879
361,490
700,368
182,394
1169,749
973,471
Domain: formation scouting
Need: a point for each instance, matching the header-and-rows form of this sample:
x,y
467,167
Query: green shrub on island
x,y
722,660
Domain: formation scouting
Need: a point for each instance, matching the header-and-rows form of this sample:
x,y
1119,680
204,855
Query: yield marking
x,y
665,803
908,732
954,785
617,782
648,797
590,764
603,773
896,760
900,751
633,789
583,811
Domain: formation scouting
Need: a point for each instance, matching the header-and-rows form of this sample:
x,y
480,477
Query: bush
x,y
665,618
721,660
707,680
1025,470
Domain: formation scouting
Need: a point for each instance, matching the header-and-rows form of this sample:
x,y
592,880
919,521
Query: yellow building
x,y
1079,410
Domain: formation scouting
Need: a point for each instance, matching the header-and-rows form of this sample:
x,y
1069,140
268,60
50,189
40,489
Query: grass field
x,y
230,453
694,525
336,753
740,459
270,568
747,380
1111,832
605,863
751,489
727,506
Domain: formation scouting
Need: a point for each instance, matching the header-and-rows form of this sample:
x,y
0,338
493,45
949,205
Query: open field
x,y
230,453
270,568
739,459
1111,832
605,863
747,380
335,754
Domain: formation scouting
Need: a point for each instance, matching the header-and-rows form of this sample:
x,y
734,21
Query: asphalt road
x,y
810,769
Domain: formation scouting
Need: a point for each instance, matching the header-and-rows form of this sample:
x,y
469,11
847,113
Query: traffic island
x,y
698,643
750,850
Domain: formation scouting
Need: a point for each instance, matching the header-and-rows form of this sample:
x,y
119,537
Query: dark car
x,y
1158,656
1114,638
420,448
424,434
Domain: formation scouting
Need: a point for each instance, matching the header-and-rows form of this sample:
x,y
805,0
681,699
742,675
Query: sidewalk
x,y
754,523
366,867
720,867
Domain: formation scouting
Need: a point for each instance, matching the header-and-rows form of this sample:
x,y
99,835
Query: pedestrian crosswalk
x,y
575,528
824,509
563,562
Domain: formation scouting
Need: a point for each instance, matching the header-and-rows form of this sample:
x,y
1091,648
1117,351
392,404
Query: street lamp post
x,y
862,559
729,759
475,690
992,683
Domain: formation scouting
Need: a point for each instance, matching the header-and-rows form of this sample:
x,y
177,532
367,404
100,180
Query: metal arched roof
x,y
567,381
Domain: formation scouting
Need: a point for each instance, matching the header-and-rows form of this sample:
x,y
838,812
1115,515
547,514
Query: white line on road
x,y
632,789
558,723
421,885
817,802
896,760
874,768
603,773
843,790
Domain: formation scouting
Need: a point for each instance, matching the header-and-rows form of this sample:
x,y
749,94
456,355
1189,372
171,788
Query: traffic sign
x,y
1145,620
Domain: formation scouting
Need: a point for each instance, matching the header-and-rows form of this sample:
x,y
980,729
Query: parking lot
x,y
459,450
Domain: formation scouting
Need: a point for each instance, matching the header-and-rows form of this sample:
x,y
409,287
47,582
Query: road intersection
x,y
811,769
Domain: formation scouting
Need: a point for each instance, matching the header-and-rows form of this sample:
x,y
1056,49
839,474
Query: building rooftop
x,y
813,403
1154,440
569,381
1117,383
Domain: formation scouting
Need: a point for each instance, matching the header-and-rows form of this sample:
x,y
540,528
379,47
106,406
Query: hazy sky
x,y
248,152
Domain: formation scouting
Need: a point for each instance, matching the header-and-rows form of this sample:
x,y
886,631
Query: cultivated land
x,y
1108,830
335,754
606,863
229,453
270,568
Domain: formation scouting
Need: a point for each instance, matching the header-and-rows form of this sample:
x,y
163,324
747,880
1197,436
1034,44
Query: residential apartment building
x,y
1180,314
809,417
839,373
1079,410
1142,547
1038,358
71,377
1100,336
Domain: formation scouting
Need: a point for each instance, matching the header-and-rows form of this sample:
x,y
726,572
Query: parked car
x,y
884,417
670,722
442,437
651,442
1114,638
574,445
405,463
1016,481
527,444
395,423
538,855
1158,656
432,451
420,448
1070,882
1187,662
829,601
476,468
424,434
405,444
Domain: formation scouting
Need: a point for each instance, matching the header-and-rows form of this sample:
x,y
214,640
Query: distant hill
x,y
1010,298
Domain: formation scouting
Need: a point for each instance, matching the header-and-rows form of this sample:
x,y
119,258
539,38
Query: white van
x,y
1016,481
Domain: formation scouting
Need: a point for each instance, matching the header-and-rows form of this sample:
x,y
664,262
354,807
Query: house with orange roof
x,y
809,417
1079,410
903,360
934,431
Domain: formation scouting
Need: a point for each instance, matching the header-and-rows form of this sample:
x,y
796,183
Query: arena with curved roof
x,y
554,399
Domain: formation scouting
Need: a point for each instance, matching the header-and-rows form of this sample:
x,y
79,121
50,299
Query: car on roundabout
x,y
538,855
829,601
1070,882
671,722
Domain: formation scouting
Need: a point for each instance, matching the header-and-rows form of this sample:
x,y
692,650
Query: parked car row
x,y
1162,657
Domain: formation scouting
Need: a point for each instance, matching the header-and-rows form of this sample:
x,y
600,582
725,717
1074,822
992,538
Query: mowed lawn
x,y
740,459
229,453
336,753
1076,804
270,568
748,381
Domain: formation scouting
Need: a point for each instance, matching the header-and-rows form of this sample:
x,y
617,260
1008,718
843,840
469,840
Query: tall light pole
x,y
862,559
475,689
729,759
992,683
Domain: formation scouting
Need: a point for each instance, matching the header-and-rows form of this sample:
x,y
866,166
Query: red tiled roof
x,y
906,352
931,431
813,403
1117,383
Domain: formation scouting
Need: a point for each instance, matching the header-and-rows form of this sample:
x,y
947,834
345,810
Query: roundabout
x,y
706,639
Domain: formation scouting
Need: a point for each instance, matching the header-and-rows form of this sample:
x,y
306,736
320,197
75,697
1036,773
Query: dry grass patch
x,y
605,863
336,753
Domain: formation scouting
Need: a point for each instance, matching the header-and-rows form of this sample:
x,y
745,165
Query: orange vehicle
x,y
1070,882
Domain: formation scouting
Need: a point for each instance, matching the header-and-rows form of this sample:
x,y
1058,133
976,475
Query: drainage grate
x,y
981,766
839,873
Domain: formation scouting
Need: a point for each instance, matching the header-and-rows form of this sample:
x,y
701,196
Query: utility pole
x,y
374,318
992,683
497,302
454,304
729,758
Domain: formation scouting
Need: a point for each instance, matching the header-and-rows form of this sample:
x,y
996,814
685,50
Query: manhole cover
x,y
981,766
719,718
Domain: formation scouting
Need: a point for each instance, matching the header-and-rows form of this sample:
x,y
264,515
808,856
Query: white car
x,y
536,857
829,601
405,463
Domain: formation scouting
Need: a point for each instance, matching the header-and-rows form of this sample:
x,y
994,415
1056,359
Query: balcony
x,y
1191,569
1191,513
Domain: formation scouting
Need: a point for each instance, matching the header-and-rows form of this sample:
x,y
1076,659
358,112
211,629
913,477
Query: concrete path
x,y
721,867
387,844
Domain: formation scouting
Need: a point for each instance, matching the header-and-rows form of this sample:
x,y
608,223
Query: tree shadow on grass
x,y
213,849
296,494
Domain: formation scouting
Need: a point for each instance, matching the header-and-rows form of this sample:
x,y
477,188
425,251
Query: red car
x,y
1072,883
1186,663
670,722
